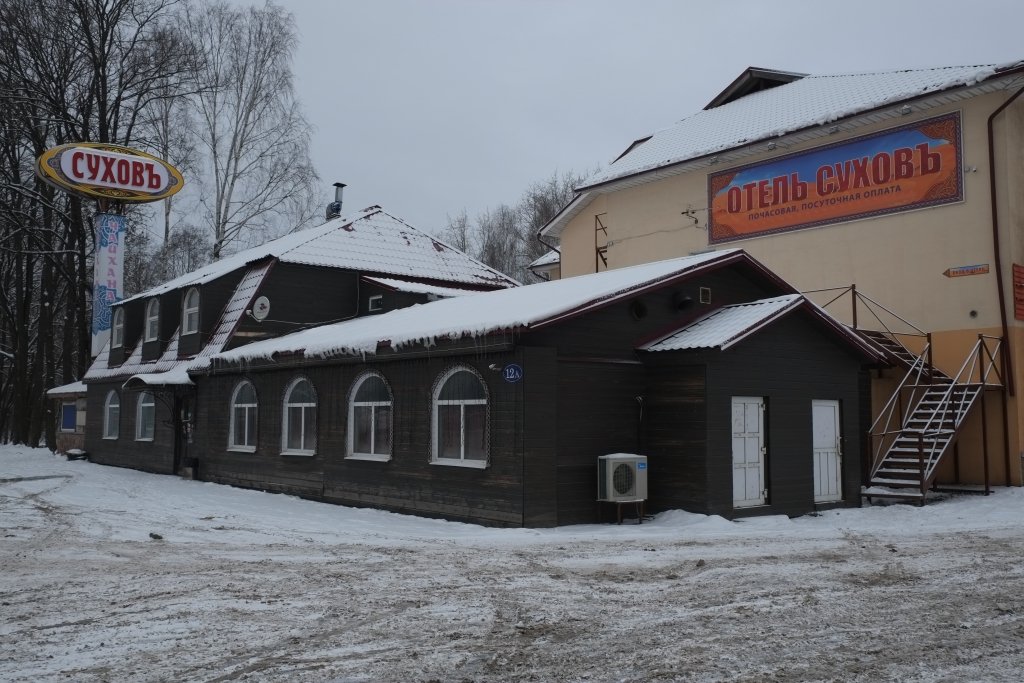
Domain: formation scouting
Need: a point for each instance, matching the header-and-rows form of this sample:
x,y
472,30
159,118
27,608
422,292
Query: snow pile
x,y
115,575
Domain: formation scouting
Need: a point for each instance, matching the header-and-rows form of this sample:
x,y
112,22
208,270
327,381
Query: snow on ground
x,y
244,585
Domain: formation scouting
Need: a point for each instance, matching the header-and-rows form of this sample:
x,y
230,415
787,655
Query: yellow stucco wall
x,y
897,259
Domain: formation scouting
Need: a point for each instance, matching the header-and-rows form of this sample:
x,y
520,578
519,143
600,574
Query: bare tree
x,y
505,237
70,70
253,131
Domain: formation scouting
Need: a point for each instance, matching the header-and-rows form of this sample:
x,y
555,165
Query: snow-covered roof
x,y
168,369
727,326
370,241
549,259
529,306
68,389
806,104
809,101
419,287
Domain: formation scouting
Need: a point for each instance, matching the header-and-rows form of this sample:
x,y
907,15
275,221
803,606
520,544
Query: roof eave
x,y
587,192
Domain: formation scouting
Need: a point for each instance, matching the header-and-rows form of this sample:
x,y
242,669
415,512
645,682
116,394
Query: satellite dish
x,y
261,308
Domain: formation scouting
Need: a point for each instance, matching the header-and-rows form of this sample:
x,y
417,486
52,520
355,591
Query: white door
x,y
748,487
828,477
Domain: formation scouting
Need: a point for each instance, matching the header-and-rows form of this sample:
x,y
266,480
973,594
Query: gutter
x,y
1008,356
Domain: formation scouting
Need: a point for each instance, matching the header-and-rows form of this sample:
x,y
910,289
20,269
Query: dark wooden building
x,y
493,407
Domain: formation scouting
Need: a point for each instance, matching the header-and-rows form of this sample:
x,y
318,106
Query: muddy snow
x,y
108,574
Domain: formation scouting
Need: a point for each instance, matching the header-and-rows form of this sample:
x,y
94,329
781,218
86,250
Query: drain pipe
x,y
995,241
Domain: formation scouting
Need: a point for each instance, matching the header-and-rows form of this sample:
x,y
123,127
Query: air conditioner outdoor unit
x,y
622,477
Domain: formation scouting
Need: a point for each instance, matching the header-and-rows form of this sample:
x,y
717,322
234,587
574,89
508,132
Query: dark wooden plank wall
x,y
150,456
674,432
300,296
597,409
213,297
597,415
391,300
615,331
790,363
408,482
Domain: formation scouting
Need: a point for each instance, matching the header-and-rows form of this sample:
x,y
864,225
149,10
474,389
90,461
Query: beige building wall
x,y
898,260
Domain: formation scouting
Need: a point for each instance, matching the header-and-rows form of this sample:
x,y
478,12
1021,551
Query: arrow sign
x,y
961,271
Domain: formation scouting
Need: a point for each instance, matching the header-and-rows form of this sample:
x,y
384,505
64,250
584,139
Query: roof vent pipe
x,y
334,208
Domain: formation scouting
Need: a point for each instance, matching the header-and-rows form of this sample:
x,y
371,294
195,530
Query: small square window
x,y
376,303
705,295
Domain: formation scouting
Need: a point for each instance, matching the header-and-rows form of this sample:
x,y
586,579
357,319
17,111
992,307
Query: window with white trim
x,y
117,329
298,431
145,417
459,419
152,320
111,415
190,312
244,408
369,419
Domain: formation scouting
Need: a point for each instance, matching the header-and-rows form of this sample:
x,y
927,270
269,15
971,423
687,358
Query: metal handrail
x,y
915,372
857,294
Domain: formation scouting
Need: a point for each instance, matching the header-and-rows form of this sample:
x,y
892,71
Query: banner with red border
x,y
901,169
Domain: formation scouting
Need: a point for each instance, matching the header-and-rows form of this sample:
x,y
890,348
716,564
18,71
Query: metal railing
x,y
983,367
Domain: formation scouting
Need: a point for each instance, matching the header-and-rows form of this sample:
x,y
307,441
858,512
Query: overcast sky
x,y
429,107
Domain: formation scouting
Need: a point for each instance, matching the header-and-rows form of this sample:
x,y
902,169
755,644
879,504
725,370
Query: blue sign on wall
x,y
512,373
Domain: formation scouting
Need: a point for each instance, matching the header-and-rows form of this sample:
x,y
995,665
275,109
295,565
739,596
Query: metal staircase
x,y
919,425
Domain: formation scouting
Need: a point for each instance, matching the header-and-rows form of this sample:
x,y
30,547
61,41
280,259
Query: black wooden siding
x,y
150,456
674,432
300,296
789,363
213,297
408,482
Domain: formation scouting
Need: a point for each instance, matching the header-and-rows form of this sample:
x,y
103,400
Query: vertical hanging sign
x,y
108,275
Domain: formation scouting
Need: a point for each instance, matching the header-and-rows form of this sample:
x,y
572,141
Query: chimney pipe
x,y
334,208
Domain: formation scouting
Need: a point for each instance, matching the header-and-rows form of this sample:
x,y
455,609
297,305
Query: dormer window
x,y
152,320
190,312
376,303
117,329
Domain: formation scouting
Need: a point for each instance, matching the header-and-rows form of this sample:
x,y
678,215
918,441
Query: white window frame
x,y
251,412
375,303
190,312
117,329
284,419
350,452
111,428
435,431
152,332
139,405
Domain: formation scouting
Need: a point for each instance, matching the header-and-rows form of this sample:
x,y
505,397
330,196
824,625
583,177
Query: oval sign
x,y
104,171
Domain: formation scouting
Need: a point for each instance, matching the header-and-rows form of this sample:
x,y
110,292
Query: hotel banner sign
x,y
900,169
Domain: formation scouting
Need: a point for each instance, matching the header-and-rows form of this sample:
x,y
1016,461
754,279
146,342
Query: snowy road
x,y
252,586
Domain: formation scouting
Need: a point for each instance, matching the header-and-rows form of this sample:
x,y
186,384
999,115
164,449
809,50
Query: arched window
x,y
369,419
117,329
298,432
111,415
243,418
153,320
459,423
145,417
190,312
